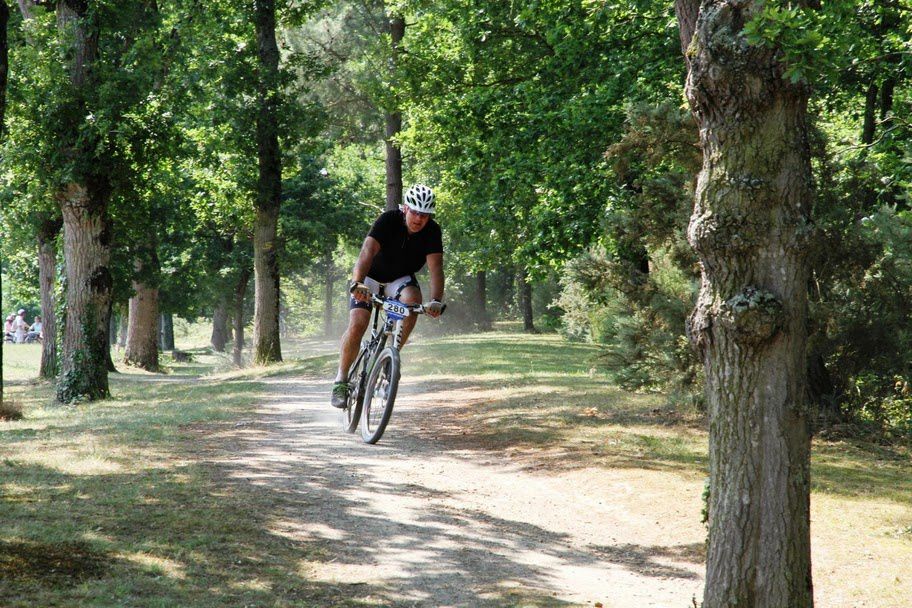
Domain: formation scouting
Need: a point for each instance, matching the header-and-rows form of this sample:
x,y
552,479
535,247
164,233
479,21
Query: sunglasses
x,y
420,214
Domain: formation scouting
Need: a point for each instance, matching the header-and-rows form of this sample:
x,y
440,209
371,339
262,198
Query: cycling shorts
x,y
393,289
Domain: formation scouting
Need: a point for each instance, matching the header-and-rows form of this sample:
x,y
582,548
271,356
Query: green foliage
x,y
794,30
640,328
511,108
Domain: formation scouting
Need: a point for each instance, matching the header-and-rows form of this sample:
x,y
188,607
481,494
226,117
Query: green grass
x,y
119,502
20,361
113,502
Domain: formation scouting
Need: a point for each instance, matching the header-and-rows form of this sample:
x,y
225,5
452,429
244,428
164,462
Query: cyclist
x,y
398,245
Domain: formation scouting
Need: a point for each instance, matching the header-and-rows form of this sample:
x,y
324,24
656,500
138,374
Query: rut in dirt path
x,y
413,522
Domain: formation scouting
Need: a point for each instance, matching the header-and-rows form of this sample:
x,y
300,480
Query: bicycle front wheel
x,y
379,395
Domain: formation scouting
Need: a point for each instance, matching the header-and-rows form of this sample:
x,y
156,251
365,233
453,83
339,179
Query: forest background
x,y
556,135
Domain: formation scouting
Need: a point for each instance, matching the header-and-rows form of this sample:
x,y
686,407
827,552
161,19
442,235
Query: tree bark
x,y
113,327
86,229
267,345
124,326
142,332
240,292
751,230
524,287
87,238
482,318
4,65
108,358
219,326
393,119
167,331
4,72
47,274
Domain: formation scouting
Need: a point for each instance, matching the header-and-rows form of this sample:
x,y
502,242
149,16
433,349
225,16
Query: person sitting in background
x,y
20,327
8,327
36,330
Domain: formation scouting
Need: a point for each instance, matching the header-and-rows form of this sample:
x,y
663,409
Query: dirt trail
x,y
420,520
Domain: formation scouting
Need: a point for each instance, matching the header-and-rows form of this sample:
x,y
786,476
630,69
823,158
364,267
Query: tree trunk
x,y
482,318
87,237
86,230
113,326
219,326
4,65
329,274
47,274
142,333
167,331
524,287
109,360
4,71
240,292
124,326
886,101
266,339
751,230
393,119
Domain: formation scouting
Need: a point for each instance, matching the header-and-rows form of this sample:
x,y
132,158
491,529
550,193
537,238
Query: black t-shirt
x,y
401,253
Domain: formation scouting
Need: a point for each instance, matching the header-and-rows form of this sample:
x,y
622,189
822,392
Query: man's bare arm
x,y
369,249
435,269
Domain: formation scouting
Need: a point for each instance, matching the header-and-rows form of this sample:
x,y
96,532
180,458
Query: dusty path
x,y
417,521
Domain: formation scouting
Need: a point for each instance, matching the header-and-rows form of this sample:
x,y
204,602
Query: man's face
x,y
415,221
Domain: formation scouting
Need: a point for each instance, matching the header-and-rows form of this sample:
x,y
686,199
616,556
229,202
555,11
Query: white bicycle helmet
x,y
420,198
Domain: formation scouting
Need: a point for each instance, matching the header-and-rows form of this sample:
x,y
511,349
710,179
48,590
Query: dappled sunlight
x,y
535,488
155,564
76,461
251,585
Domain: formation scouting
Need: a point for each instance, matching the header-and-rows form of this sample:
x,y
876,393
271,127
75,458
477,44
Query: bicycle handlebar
x,y
418,309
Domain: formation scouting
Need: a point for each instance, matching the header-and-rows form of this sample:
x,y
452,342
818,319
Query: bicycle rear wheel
x,y
379,395
351,415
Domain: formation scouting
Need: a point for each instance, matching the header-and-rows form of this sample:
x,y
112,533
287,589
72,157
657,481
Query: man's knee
x,y
410,295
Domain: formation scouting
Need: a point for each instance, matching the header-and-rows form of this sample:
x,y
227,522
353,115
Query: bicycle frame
x,y
388,315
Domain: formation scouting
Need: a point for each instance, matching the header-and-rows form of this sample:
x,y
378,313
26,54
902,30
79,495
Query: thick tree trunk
x,y
219,326
482,318
267,345
87,238
328,284
167,331
393,119
47,274
142,333
751,228
524,287
240,292
86,230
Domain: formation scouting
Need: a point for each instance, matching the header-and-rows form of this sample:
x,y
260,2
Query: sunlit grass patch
x,y
21,361
156,565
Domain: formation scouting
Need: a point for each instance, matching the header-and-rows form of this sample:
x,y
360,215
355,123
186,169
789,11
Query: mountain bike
x,y
375,373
